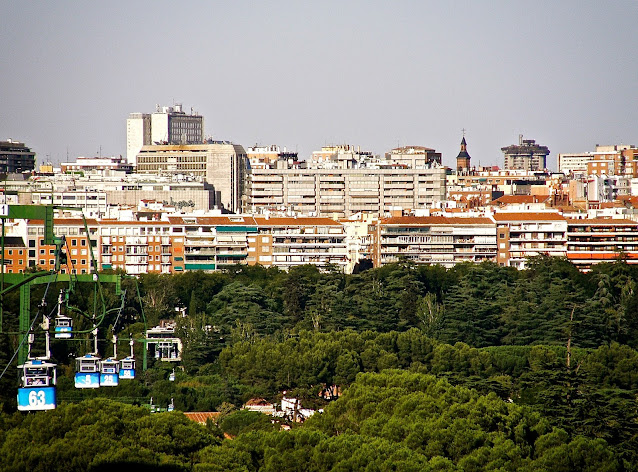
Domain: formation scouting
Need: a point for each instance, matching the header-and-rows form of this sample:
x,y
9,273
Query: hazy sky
x,y
305,74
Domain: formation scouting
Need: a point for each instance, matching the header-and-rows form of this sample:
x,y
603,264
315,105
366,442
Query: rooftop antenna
x,y
463,130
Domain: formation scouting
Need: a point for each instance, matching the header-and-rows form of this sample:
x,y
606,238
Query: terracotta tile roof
x,y
520,199
213,220
531,216
67,221
614,204
201,417
303,221
436,220
133,223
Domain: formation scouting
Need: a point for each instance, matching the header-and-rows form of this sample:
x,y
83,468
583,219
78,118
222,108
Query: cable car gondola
x,y
38,386
127,368
87,371
109,369
63,327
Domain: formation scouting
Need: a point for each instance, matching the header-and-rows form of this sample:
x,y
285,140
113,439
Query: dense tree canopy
x,y
479,367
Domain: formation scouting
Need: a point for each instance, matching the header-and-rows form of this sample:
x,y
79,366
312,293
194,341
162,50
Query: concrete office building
x,y
222,164
15,157
168,125
526,155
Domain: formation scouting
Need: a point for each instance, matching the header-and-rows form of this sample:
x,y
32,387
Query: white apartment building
x,y
289,242
435,240
522,235
341,193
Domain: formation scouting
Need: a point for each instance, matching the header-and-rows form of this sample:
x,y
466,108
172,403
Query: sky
x,y
374,74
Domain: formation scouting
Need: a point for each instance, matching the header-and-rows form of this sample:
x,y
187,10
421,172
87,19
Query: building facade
x,y
341,193
221,164
15,157
167,125
526,155
446,241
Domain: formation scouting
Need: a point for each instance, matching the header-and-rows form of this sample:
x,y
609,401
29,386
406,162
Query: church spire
x,y
463,159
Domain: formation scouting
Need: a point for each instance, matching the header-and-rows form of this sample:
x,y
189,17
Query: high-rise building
x,y
168,125
15,157
526,155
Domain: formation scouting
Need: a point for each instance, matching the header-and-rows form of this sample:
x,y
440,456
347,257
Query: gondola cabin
x,y
127,368
87,371
109,370
38,386
163,344
63,327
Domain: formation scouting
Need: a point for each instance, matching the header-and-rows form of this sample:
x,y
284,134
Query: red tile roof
x,y
201,417
531,216
302,221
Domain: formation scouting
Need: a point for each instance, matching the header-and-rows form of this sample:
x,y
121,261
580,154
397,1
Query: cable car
x,y
87,371
63,327
109,370
38,386
127,368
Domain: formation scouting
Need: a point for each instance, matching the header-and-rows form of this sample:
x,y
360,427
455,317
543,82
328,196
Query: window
x,y
31,252
83,242
502,235
43,251
32,243
74,242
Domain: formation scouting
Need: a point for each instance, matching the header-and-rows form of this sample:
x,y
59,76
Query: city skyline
x,y
304,75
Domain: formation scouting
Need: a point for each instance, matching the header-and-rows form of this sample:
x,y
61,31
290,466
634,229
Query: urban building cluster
x,y
181,201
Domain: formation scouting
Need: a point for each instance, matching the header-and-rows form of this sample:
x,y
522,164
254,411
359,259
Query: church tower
x,y
463,159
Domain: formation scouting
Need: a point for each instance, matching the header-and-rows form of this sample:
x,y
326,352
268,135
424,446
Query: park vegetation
x,y
478,367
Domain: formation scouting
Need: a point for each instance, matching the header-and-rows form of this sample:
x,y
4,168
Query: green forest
x,y
478,367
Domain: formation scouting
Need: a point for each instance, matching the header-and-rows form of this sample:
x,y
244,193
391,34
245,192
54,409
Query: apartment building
x,y
594,240
435,240
289,242
618,159
526,155
525,234
139,247
340,193
212,243
25,248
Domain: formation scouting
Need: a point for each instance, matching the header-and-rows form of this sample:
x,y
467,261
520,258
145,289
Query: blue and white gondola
x,y
87,372
38,386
